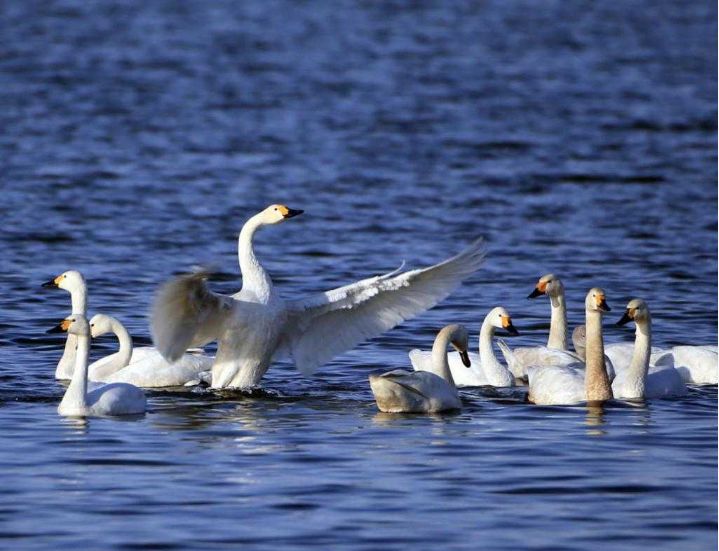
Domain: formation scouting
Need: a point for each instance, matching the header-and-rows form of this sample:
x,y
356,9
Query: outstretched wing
x,y
321,327
186,313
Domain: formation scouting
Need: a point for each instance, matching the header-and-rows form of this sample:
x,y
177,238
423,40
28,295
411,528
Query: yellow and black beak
x,y
539,290
290,213
626,318
61,327
602,304
509,326
465,358
52,283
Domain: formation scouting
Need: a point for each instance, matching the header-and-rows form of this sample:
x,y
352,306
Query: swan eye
x,y
92,325
64,275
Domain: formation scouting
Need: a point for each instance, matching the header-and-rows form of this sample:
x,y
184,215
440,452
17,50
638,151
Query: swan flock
x,y
256,326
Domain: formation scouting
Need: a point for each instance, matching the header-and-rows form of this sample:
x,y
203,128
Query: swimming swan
x,y
72,282
256,325
401,391
564,385
640,380
485,369
111,399
555,353
145,366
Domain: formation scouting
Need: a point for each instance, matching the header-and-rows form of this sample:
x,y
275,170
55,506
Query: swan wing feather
x,y
323,326
187,313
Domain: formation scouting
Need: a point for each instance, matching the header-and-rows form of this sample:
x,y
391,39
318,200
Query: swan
x,y
111,399
564,385
256,325
144,367
640,380
555,353
696,364
73,282
485,369
401,391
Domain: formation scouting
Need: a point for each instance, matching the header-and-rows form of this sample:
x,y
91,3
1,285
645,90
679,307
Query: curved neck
x,y
439,356
558,325
254,276
642,351
596,380
125,352
487,358
76,393
78,297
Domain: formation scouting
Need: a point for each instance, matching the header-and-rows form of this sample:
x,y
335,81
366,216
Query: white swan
x,y
639,380
696,364
401,391
145,366
564,385
72,282
555,353
256,325
485,369
111,399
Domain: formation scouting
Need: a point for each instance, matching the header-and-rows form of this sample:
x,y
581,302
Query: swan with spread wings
x,y
256,325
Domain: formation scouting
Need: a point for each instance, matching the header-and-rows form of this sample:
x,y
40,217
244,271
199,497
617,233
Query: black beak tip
x,y
49,284
56,329
465,359
513,331
534,294
291,213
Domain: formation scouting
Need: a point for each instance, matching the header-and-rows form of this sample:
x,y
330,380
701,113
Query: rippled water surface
x,y
578,138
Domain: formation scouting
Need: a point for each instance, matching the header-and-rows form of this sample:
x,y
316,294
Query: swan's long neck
x,y
639,367
78,297
254,276
76,394
558,325
65,366
125,351
596,380
487,358
439,356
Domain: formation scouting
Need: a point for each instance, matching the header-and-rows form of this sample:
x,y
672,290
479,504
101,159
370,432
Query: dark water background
x,y
578,137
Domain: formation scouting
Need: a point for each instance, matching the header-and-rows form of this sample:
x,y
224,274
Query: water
x,y
578,138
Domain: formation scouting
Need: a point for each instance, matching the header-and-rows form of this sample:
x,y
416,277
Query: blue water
x,y
577,137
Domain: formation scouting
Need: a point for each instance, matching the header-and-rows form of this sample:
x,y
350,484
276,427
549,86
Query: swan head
x,y
500,319
275,214
459,339
71,280
75,324
548,284
637,310
100,324
596,301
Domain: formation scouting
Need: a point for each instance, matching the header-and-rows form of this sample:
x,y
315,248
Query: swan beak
x,y
291,213
60,327
52,283
626,318
465,358
509,326
536,293
602,304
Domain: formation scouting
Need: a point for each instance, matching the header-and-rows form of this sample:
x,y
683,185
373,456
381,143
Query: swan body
x,y
639,380
485,370
401,391
106,400
555,353
696,364
143,367
256,325
565,385
73,282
